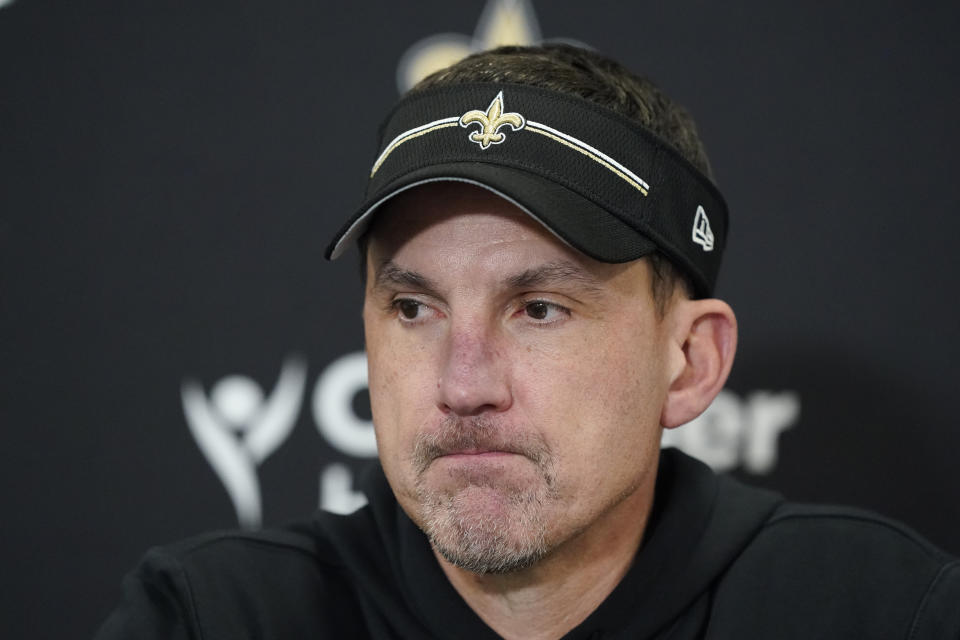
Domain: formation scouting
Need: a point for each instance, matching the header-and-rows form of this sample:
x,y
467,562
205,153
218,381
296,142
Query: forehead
x,y
456,217
462,233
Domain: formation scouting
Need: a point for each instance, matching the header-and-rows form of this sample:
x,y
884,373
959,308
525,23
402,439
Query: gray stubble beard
x,y
467,540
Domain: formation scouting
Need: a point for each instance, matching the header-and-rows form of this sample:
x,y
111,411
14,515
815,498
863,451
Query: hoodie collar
x,y
698,525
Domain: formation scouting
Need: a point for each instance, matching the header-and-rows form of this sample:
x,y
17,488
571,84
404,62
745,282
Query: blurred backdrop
x,y
177,357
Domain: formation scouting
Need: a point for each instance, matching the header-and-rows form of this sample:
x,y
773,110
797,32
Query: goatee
x,y
483,521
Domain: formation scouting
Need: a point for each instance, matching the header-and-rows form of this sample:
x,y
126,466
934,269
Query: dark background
x,y
170,173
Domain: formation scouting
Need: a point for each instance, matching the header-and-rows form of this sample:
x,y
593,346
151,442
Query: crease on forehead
x,y
450,186
558,273
418,212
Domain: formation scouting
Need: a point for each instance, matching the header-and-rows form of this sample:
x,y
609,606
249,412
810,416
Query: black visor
x,y
603,184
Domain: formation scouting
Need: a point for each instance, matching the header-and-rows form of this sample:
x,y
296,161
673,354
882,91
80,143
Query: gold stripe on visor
x,y
605,160
495,109
416,132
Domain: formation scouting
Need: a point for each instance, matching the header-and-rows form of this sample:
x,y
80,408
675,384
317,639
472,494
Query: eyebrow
x,y
553,273
390,274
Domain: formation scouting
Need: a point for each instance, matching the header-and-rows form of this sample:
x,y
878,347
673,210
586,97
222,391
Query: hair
x,y
589,75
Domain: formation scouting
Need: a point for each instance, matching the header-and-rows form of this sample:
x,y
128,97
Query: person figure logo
x,y
237,428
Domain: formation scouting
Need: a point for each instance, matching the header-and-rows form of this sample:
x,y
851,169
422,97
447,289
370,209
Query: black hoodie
x,y
719,560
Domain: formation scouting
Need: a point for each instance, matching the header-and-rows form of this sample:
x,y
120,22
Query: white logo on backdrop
x,y
236,428
738,432
333,410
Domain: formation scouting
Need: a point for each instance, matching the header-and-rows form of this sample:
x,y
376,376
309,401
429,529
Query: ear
x,y
704,341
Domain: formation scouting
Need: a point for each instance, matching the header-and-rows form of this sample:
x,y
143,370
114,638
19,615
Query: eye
x,y
411,311
544,312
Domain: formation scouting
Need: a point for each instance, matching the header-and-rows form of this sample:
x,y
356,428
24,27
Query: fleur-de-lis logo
x,y
491,121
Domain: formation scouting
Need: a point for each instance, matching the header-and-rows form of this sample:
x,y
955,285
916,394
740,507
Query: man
x,y
540,241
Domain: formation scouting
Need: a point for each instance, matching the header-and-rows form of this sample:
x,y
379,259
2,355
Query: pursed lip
x,y
478,453
480,443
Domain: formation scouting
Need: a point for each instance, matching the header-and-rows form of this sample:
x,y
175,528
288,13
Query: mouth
x,y
478,467
477,454
479,464
476,443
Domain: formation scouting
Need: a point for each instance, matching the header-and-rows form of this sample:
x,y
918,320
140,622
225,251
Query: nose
x,y
474,375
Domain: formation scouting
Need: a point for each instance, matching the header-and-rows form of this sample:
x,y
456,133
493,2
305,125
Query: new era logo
x,y
702,233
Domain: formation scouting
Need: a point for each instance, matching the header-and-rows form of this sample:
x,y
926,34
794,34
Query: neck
x,y
558,593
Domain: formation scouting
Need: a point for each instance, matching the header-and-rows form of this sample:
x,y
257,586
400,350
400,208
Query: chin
x,y
486,530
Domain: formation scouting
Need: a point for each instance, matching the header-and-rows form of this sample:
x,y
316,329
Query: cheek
x,y
387,406
400,394
615,372
597,401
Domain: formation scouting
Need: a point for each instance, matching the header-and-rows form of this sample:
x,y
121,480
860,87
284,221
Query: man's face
x,y
516,384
